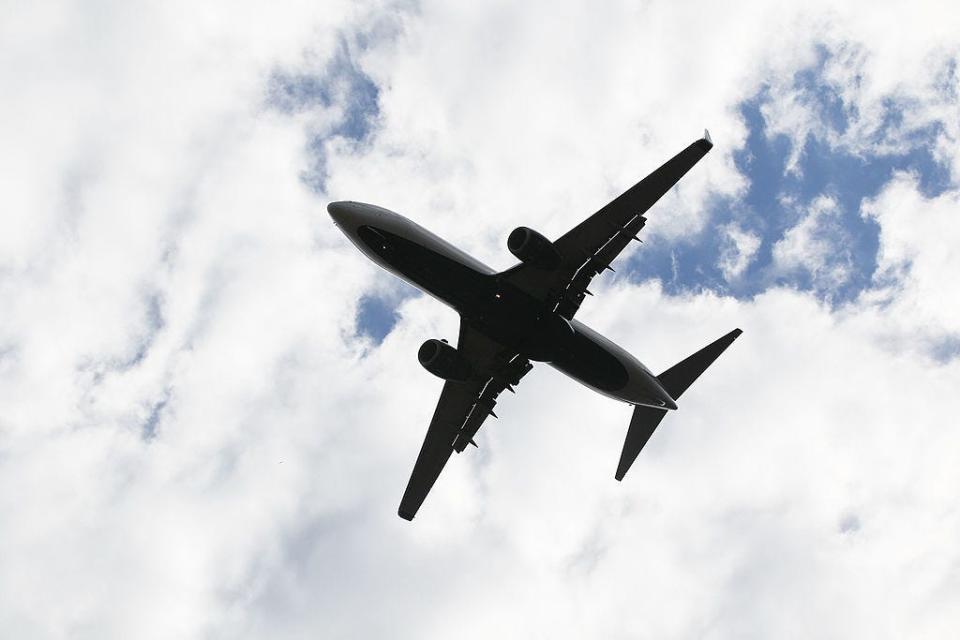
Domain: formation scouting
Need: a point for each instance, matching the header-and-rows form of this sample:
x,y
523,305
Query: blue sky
x,y
775,200
692,264
341,84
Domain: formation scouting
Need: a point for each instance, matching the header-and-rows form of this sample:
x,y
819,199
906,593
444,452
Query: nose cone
x,y
342,213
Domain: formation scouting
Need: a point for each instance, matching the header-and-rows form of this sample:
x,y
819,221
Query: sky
x,y
210,401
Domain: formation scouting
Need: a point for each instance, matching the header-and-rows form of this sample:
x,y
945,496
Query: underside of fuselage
x,y
501,311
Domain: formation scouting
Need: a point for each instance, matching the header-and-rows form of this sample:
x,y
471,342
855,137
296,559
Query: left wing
x,y
588,249
461,410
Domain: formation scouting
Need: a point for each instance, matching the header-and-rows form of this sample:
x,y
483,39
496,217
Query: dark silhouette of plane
x,y
525,314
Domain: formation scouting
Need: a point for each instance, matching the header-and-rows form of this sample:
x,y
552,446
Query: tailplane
x,y
642,424
680,376
675,381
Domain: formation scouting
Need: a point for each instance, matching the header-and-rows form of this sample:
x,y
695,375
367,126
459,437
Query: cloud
x,y
738,252
866,96
815,245
197,438
737,506
913,282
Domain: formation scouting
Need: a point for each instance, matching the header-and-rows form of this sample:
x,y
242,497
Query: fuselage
x,y
503,312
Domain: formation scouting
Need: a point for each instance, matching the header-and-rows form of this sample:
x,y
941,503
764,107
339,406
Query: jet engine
x,y
443,361
533,249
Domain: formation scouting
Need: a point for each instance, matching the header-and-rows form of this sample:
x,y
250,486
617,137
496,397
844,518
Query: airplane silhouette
x,y
525,314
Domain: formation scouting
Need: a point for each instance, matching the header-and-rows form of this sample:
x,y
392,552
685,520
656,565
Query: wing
x,y
588,249
461,410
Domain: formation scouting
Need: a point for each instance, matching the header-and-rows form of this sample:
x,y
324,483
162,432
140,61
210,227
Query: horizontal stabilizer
x,y
675,381
644,421
680,376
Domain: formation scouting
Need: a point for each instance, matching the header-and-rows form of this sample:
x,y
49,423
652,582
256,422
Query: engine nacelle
x,y
443,361
533,249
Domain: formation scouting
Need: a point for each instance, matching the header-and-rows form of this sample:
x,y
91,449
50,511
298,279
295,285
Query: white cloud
x,y
914,288
734,522
739,249
887,91
816,245
159,248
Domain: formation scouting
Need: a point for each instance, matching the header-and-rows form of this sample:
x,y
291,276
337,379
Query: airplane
x,y
510,319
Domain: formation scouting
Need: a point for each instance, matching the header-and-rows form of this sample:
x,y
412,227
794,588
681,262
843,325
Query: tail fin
x,y
675,381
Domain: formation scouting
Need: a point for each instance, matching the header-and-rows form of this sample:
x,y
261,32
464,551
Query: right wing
x,y
588,249
461,410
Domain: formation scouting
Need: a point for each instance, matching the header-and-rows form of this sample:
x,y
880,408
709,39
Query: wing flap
x,y
504,379
577,290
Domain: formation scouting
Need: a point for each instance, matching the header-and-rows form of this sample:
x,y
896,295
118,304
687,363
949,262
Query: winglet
x,y
706,142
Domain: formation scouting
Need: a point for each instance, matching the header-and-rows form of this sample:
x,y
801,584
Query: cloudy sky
x,y
210,402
